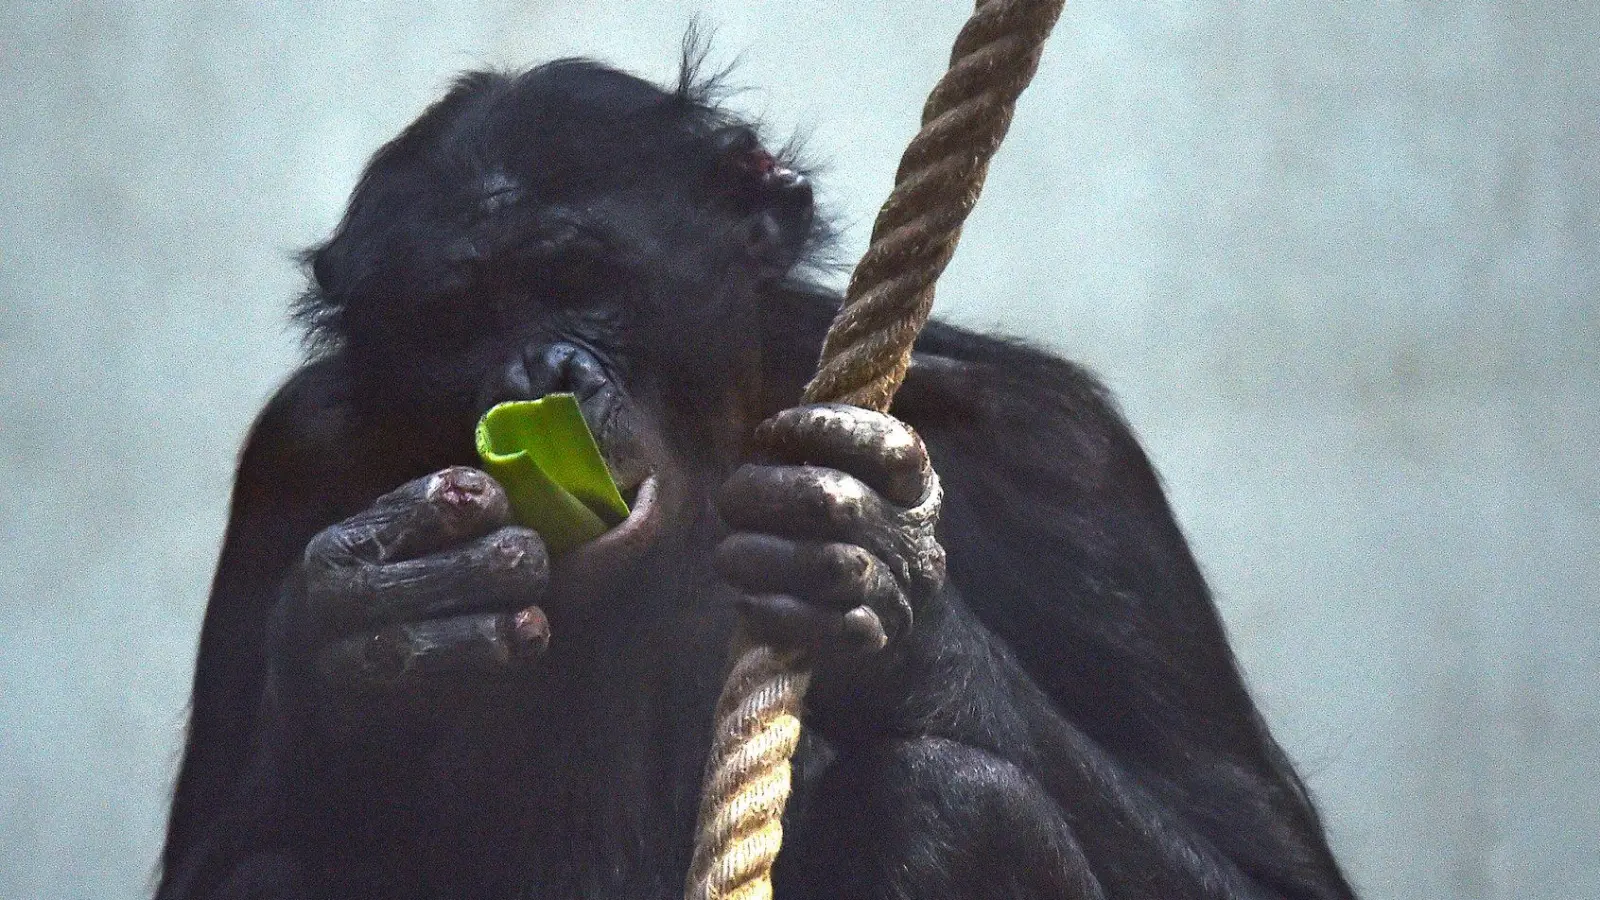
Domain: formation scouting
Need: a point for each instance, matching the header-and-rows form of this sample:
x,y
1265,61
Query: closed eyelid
x,y
497,191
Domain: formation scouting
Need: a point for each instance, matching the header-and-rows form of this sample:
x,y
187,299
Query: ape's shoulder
x,y
1018,364
1024,412
312,452
306,415
1057,530
960,380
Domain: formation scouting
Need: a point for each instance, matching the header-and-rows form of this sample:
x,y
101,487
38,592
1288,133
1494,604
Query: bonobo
x,y
1022,690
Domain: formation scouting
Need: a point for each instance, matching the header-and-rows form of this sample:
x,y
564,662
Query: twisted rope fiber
x,y
864,359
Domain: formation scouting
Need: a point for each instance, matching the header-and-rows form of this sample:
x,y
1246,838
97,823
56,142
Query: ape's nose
x,y
563,368
560,367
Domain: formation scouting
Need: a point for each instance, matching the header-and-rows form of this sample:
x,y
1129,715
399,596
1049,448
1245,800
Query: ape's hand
x,y
833,541
423,597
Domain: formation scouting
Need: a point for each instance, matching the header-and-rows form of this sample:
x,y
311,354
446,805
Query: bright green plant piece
x,y
542,452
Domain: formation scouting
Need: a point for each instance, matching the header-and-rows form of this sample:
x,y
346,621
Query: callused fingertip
x,y
863,630
762,437
459,486
519,548
531,629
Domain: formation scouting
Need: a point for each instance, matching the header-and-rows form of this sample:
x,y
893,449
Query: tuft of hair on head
x,y
707,89
698,83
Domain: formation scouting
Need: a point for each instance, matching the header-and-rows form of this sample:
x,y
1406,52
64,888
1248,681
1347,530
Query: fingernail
x,y
864,630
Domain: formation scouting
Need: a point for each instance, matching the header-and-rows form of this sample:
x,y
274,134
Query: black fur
x,y
1069,720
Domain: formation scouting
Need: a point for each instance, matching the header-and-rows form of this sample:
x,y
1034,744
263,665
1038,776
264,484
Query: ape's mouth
x,y
623,541
621,434
601,566
564,367
616,432
597,564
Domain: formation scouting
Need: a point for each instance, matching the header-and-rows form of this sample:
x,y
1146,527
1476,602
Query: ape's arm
x,y
290,484
1062,544
1078,600
954,769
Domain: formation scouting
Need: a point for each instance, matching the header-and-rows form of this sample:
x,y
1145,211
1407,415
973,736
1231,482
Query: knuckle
x,y
329,549
317,552
749,559
807,428
841,498
736,490
857,424
794,420
738,544
371,659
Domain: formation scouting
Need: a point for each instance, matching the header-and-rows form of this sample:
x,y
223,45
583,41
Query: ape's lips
x,y
623,446
616,432
618,429
587,565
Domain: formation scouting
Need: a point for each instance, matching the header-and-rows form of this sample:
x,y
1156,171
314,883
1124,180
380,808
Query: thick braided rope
x,y
868,348
864,359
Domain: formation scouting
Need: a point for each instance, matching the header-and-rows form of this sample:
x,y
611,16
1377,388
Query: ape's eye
x,y
735,142
498,191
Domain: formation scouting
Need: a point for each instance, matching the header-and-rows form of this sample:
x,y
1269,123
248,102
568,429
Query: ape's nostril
x,y
560,367
547,368
563,368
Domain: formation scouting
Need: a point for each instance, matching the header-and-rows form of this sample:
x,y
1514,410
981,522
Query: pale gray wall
x,y
1339,260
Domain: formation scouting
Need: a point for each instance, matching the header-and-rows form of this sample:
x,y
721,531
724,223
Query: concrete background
x,y
1338,260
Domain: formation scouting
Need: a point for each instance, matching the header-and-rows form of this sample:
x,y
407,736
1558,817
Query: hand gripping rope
x,y
864,359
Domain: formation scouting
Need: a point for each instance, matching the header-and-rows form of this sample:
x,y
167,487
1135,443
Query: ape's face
x,y
571,229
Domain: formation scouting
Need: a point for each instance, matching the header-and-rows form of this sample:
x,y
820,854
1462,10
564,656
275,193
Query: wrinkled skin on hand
x,y
429,592
832,539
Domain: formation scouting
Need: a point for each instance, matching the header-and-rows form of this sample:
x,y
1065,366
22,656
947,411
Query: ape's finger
x,y
417,518
505,570
413,654
833,575
874,447
803,502
789,623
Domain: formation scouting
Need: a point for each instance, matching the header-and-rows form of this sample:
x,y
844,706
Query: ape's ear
x,y
339,266
776,198
320,308
325,265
